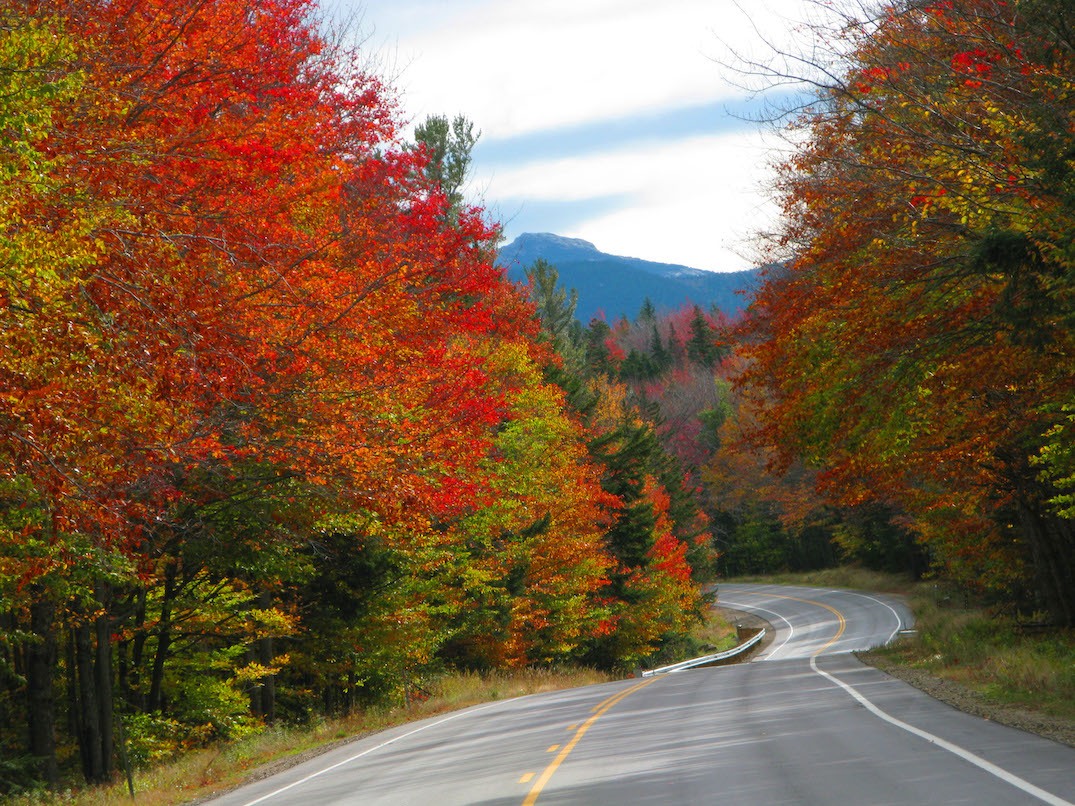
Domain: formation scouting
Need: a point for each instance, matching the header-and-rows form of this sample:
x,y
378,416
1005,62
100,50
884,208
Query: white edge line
x,y
977,761
771,652
367,751
899,619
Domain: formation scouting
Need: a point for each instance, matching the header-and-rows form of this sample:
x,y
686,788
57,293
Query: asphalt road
x,y
805,723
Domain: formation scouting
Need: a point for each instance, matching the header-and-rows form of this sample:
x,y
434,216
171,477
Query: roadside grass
x,y
851,577
714,634
1004,661
1008,663
202,773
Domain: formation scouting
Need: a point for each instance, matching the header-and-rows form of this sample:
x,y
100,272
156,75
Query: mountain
x,y
612,285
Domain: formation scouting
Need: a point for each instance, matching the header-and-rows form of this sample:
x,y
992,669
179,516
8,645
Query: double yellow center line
x,y
839,618
599,710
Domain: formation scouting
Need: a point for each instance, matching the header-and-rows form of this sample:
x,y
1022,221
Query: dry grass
x,y
715,634
202,773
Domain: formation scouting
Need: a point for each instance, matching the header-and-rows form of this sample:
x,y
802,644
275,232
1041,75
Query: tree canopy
x,y
916,344
276,434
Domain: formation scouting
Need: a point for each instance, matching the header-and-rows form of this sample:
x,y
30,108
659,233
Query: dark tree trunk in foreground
x,y
40,661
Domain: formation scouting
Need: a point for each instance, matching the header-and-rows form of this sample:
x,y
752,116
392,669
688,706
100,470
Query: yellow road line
x,y
599,710
602,707
839,632
839,617
527,778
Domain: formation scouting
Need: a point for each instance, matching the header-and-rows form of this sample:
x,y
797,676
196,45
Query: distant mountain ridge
x,y
612,285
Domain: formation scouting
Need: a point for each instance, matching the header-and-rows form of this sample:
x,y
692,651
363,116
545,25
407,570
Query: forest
x,y
278,440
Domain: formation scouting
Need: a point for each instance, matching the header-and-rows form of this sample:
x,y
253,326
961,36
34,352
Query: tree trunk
x,y
265,658
73,711
89,728
263,695
255,688
164,640
351,700
135,695
1052,544
40,661
102,669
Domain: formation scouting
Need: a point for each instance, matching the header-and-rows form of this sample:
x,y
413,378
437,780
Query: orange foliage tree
x,y
241,329
917,344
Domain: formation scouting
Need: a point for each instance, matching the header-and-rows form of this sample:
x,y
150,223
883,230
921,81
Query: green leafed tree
x,y
556,309
449,146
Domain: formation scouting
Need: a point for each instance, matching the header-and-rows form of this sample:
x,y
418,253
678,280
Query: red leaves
x,y
940,8
270,289
869,77
890,354
977,62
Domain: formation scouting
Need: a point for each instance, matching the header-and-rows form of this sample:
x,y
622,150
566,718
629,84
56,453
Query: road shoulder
x,y
951,693
971,702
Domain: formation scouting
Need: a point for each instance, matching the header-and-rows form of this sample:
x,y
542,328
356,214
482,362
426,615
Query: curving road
x,y
805,723
813,621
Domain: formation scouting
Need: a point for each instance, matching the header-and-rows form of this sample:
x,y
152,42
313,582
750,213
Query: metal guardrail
x,y
718,656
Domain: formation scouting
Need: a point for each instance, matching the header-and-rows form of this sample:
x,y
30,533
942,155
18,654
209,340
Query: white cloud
x,y
694,201
532,67
528,65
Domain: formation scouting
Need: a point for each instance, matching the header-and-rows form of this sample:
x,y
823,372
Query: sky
x,y
607,120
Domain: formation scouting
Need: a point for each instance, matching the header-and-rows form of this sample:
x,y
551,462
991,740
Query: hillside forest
x,y
278,440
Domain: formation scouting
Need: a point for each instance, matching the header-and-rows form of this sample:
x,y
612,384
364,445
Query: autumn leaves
x,y
918,348
276,432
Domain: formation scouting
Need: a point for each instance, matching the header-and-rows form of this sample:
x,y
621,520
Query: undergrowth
x,y
1004,659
